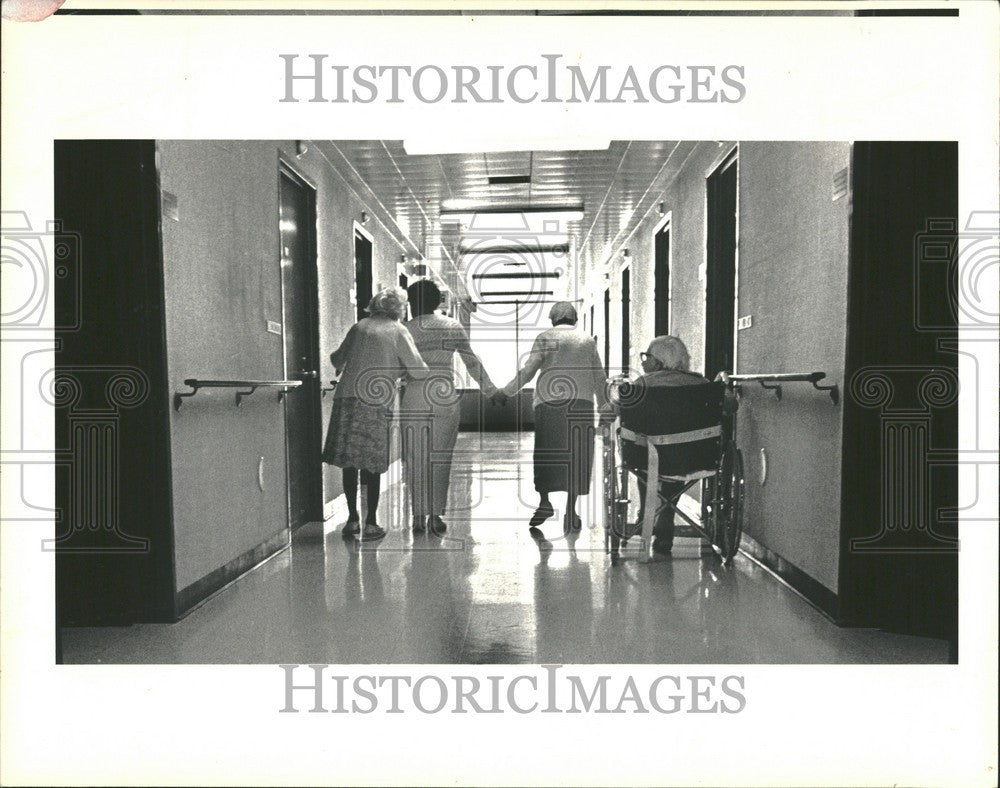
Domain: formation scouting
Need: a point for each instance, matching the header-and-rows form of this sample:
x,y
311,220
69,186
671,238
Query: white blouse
x,y
568,367
439,338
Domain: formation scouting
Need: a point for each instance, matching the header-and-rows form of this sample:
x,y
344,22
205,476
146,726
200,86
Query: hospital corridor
x,y
258,333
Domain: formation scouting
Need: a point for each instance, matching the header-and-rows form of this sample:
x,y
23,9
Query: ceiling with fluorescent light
x,y
615,188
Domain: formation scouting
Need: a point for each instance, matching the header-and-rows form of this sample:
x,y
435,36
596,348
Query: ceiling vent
x,y
508,180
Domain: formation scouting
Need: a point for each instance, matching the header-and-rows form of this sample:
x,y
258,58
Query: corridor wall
x,y
222,284
792,279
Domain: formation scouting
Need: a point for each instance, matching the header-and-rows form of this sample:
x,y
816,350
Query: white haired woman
x,y
570,378
376,352
666,363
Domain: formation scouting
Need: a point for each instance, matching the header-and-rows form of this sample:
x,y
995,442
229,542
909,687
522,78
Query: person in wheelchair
x,y
667,399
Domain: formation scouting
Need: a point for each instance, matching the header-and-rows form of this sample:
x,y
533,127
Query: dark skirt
x,y
358,436
564,446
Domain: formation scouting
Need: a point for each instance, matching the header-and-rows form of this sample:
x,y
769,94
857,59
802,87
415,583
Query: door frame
x,y
287,169
666,223
607,329
626,315
721,163
357,227
881,245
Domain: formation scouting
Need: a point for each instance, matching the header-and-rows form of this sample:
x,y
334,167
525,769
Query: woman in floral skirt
x,y
375,353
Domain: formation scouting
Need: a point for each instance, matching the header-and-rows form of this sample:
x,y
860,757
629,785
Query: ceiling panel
x,y
616,188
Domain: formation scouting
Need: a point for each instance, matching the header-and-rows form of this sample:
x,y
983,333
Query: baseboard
x,y
814,592
192,596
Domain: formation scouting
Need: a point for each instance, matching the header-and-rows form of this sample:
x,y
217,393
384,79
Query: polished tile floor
x,y
489,593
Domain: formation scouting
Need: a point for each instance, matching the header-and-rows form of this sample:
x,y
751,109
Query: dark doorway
x,y
607,332
404,282
303,430
661,305
362,271
720,274
114,554
899,505
626,318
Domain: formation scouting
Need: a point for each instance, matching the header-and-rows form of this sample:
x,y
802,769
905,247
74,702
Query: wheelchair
x,y
679,434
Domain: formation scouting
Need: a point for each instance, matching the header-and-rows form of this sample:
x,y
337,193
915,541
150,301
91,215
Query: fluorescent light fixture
x,y
519,275
502,246
510,219
465,205
439,145
508,180
509,293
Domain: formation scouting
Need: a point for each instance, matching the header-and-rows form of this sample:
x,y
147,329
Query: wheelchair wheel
x,y
728,519
612,529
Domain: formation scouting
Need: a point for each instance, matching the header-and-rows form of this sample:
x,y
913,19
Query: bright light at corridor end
x,y
439,144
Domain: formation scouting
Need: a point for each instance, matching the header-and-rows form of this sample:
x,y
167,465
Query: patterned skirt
x,y
358,436
564,446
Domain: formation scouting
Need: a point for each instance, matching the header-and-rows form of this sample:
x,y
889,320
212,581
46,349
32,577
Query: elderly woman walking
x,y
375,353
429,412
570,378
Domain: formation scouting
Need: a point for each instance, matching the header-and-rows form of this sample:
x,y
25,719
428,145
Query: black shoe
x,y
352,527
419,525
372,533
542,513
662,549
572,522
437,525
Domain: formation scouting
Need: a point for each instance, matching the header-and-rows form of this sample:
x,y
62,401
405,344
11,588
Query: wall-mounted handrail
x,y
773,381
252,385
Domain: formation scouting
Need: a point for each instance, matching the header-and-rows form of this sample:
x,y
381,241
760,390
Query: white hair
x,y
670,352
562,311
390,302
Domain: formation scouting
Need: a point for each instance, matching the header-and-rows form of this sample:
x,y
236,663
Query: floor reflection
x,y
490,591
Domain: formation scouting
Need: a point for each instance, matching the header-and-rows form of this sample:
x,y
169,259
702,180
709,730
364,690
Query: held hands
x,y
498,398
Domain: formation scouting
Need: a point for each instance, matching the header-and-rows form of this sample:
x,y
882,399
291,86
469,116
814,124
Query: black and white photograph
x,y
373,371
373,406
